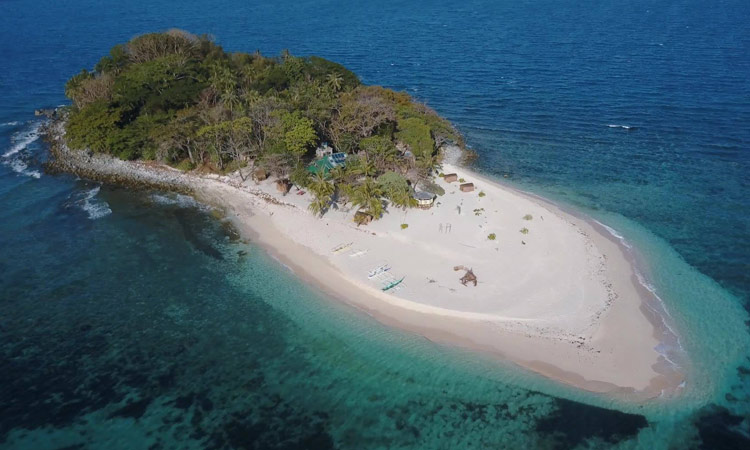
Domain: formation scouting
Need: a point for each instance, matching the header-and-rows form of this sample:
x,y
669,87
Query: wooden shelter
x,y
467,187
283,186
362,218
450,177
259,174
425,200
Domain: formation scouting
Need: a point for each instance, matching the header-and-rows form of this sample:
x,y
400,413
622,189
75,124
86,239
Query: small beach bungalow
x,y
324,151
425,200
259,175
283,186
362,218
450,177
467,187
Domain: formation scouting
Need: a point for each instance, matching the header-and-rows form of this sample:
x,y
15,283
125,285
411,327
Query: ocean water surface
x,y
140,320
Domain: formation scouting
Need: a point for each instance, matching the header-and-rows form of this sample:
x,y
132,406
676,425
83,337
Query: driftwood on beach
x,y
468,277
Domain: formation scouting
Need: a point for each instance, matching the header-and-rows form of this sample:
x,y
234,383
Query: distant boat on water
x,y
624,127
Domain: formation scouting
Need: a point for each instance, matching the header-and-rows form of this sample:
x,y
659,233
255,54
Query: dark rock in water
x,y
718,429
47,112
133,410
582,422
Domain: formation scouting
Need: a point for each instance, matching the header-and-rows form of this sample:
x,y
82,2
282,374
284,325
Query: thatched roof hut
x,y
283,186
450,177
467,187
362,218
424,199
260,174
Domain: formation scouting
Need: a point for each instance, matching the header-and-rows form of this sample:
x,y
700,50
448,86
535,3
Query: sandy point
x,y
556,293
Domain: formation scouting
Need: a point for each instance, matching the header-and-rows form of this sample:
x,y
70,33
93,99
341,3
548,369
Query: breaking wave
x,y
20,141
94,207
179,200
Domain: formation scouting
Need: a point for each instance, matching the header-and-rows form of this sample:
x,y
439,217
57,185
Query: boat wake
x,y
18,155
624,127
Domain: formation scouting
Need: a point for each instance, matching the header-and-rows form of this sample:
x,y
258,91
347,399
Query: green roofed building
x,y
327,163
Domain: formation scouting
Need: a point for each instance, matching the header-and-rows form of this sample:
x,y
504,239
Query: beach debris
x,y
341,248
468,277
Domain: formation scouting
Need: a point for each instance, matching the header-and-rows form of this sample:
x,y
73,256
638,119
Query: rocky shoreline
x,y
107,169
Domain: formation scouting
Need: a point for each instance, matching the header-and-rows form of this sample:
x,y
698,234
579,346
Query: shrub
x,y
528,217
461,180
404,226
482,194
524,231
491,236
185,165
441,175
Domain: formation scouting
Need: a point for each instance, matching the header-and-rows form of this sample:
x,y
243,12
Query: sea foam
x,y
94,207
20,142
22,139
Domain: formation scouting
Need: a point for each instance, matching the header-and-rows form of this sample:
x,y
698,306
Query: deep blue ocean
x,y
134,320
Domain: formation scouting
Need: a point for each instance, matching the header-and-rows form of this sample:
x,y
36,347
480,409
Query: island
x,y
367,194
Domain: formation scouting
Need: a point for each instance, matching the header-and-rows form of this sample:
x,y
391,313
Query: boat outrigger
x,y
393,284
378,270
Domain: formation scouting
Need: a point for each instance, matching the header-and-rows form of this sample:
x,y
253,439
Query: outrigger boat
x,y
358,253
378,270
393,284
342,247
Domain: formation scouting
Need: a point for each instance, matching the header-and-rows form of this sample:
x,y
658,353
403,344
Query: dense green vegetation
x,y
182,100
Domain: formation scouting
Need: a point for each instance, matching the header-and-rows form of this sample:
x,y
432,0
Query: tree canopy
x,y
181,99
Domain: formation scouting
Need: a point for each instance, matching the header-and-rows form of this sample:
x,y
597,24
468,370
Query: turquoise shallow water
x,y
135,320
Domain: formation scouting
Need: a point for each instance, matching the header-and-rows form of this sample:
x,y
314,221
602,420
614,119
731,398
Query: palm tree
x,y
231,100
368,196
323,190
337,174
363,166
400,196
334,81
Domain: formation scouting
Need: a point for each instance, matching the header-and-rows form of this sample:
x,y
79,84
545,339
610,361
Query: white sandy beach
x,y
562,300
